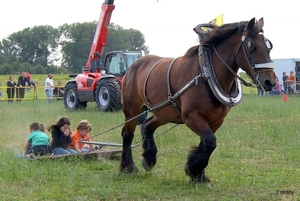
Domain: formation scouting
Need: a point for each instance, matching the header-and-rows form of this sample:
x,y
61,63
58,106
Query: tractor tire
x,y
71,99
108,95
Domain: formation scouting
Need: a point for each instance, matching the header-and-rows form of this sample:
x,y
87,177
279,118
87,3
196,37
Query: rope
x,y
139,144
113,128
133,146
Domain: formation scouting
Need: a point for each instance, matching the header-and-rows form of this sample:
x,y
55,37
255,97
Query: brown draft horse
x,y
197,89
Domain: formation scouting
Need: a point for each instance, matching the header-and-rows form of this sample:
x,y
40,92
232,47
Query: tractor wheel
x,y
108,95
71,99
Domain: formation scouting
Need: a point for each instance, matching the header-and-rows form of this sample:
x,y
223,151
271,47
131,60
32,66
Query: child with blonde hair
x,y
81,133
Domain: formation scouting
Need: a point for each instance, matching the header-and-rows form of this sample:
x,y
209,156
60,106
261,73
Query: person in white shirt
x,y
49,87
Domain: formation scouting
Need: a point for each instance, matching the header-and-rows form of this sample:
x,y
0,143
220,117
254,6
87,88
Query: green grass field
x,y
257,157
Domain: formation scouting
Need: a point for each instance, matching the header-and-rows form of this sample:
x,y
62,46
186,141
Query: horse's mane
x,y
220,33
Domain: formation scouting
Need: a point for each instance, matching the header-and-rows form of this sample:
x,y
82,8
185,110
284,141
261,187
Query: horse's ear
x,y
261,22
251,24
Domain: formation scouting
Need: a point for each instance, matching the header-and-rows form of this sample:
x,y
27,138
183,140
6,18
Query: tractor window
x,y
118,63
131,57
115,64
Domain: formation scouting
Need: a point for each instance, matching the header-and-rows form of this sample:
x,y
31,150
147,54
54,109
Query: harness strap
x,y
177,94
170,97
146,80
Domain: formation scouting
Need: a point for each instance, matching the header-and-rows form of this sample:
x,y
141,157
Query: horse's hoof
x,y
146,166
129,170
187,170
201,179
208,185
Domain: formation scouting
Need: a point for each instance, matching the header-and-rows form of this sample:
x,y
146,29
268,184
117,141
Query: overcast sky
x,y
167,24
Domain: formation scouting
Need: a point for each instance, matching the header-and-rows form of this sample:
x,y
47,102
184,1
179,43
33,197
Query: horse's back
x,y
143,62
135,79
136,75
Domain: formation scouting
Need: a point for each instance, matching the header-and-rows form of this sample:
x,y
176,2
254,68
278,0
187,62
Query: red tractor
x,y
100,82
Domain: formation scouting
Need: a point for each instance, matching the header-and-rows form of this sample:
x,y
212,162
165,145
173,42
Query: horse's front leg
x,y
199,156
127,164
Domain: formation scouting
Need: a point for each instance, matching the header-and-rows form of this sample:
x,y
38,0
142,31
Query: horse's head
x,y
253,55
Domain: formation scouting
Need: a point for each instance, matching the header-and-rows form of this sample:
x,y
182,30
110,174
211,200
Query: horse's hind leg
x,y
199,156
127,165
149,147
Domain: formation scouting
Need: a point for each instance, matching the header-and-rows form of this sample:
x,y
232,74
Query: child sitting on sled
x,y
83,128
38,142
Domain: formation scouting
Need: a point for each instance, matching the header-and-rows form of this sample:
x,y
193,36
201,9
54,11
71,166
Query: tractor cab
x,y
117,62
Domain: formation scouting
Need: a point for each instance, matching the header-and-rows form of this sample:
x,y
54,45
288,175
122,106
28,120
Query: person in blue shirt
x,y
1,96
284,78
38,142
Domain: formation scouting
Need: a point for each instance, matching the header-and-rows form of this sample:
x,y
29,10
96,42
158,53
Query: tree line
x,y
45,49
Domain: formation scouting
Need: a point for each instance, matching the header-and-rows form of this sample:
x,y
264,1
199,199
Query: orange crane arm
x,y
100,36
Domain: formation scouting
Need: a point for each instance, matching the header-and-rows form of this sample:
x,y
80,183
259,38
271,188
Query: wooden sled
x,y
98,155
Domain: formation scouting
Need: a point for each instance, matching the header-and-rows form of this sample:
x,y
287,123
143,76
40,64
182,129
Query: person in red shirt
x,y
27,74
291,82
81,133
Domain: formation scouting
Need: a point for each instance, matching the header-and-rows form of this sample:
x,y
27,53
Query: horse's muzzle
x,y
268,85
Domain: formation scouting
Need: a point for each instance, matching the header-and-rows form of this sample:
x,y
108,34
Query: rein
x,y
230,69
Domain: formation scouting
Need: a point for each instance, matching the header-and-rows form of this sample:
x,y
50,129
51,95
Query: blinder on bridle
x,y
248,46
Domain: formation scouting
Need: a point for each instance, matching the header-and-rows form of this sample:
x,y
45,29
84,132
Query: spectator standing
x,y
58,91
1,96
61,136
284,77
260,91
11,86
22,80
49,87
291,83
27,74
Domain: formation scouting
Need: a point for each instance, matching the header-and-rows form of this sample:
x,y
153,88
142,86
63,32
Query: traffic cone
x,y
285,98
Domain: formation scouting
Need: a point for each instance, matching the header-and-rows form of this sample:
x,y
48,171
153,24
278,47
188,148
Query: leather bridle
x,y
248,45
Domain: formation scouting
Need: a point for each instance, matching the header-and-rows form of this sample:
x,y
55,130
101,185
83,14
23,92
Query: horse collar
x,y
209,76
